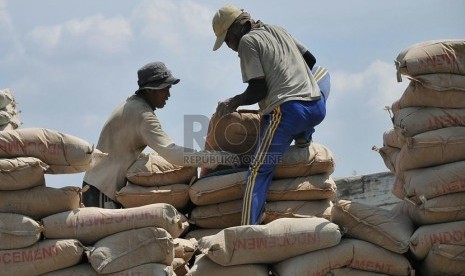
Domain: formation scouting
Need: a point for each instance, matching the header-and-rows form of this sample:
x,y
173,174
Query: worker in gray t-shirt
x,y
277,69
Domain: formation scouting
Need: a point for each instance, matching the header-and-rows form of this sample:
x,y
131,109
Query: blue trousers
x,y
289,120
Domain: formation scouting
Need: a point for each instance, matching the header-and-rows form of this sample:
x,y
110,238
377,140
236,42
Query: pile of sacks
x,y
9,115
152,179
302,185
425,150
47,231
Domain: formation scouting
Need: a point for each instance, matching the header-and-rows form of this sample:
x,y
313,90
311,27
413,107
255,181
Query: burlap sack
x,y
185,248
273,242
346,271
41,201
64,153
8,126
203,266
237,132
218,188
5,117
432,148
313,187
85,269
434,90
153,170
349,253
220,215
373,224
297,209
134,195
311,160
411,121
444,259
432,182
199,233
6,97
21,173
426,236
389,155
391,139
42,257
439,209
91,224
132,248
441,82
180,266
18,231
434,56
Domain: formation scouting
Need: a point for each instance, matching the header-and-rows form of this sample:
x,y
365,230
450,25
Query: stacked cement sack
x,y
9,115
302,184
132,241
25,156
152,179
250,249
426,151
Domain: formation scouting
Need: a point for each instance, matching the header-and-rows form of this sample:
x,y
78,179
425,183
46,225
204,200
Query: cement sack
x,y
389,155
349,253
134,195
441,82
391,139
199,233
432,148
313,187
311,160
237,132
440,209
221,215
185,248
373,224
21,173
42,257
64,153
6,97
18,231
444,259
203,266
85,269
7,127
5,117
354,272
41,201
434,56
297,209
274,242
218,188
91,224
132,248
180,266
153,170
411,121
426,236
432,182
433,90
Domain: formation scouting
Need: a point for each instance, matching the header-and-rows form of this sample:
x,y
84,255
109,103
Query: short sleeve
x,y
251,66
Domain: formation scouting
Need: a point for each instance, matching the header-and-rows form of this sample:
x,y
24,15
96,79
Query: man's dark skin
x,y
256,89
156,98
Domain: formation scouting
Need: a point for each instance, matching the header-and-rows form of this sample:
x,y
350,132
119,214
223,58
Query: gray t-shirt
x,y
273,53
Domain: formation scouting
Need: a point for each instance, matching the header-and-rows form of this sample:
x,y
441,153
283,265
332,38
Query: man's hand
x,y
225,107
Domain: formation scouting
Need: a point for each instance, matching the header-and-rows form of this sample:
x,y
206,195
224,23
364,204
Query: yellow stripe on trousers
x,y
257,163
320,73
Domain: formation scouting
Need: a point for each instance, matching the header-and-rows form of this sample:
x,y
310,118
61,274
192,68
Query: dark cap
x,y
155,76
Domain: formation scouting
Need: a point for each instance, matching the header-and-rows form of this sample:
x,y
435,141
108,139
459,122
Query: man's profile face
x,y
159,97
